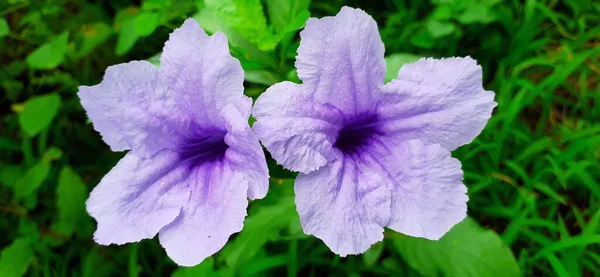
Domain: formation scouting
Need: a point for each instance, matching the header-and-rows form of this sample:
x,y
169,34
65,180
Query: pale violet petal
x,y
245,153
202,72
345,204
297,130
340,60
138,197
132,110
436,101
216,210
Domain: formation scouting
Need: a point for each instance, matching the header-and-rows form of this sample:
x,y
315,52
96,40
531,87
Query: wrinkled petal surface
x,y
345,204
216,210
428,196
137,198
202,72
437,101
340,60
245,153
132,110
297,130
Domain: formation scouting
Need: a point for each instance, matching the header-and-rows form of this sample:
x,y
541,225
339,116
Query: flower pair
x,y
370,155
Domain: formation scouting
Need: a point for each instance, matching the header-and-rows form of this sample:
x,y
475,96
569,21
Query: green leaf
x,y
9,144
155,4
90,37
146,23
243,49
247,18
50,54
4,28
15,258
95,265
10,174
127,37
439,29
468,250
206,268
52,154
32,180
71,194
286,16
371,256
262,77
38,113
35,176
395,62
476,13
259,227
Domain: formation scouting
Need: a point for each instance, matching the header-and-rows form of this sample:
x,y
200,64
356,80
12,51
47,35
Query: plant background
x,y
533,174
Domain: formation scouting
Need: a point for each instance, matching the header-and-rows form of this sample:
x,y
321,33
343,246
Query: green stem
x,y
27,151
293,263
43,142
134,267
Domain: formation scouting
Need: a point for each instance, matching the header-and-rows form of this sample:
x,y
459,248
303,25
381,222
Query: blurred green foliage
x,y
533,174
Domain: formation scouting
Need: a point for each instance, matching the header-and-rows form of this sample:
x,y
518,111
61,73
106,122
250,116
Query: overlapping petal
x,y
133,110
138,197
340,60
216,209
437,101
203,74
345,204
244,153
298,131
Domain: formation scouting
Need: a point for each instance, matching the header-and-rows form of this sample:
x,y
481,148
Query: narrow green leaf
x,y
50,54
32,180
4,28
259,227
371,256
262,77
38,113
71,194
467,250
35,176
15,258
127,37
95,265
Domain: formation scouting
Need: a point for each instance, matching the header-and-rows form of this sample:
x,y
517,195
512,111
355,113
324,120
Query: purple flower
x,y
372,155
194,160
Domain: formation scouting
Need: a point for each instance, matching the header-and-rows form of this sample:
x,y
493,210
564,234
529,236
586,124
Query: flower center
x,y
356,134
208,147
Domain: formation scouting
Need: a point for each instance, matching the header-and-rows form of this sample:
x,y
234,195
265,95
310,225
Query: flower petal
x,y
137,198
297,130
428,196
132,110
437,101
345,204
216,209
245,153
340,60
202,72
